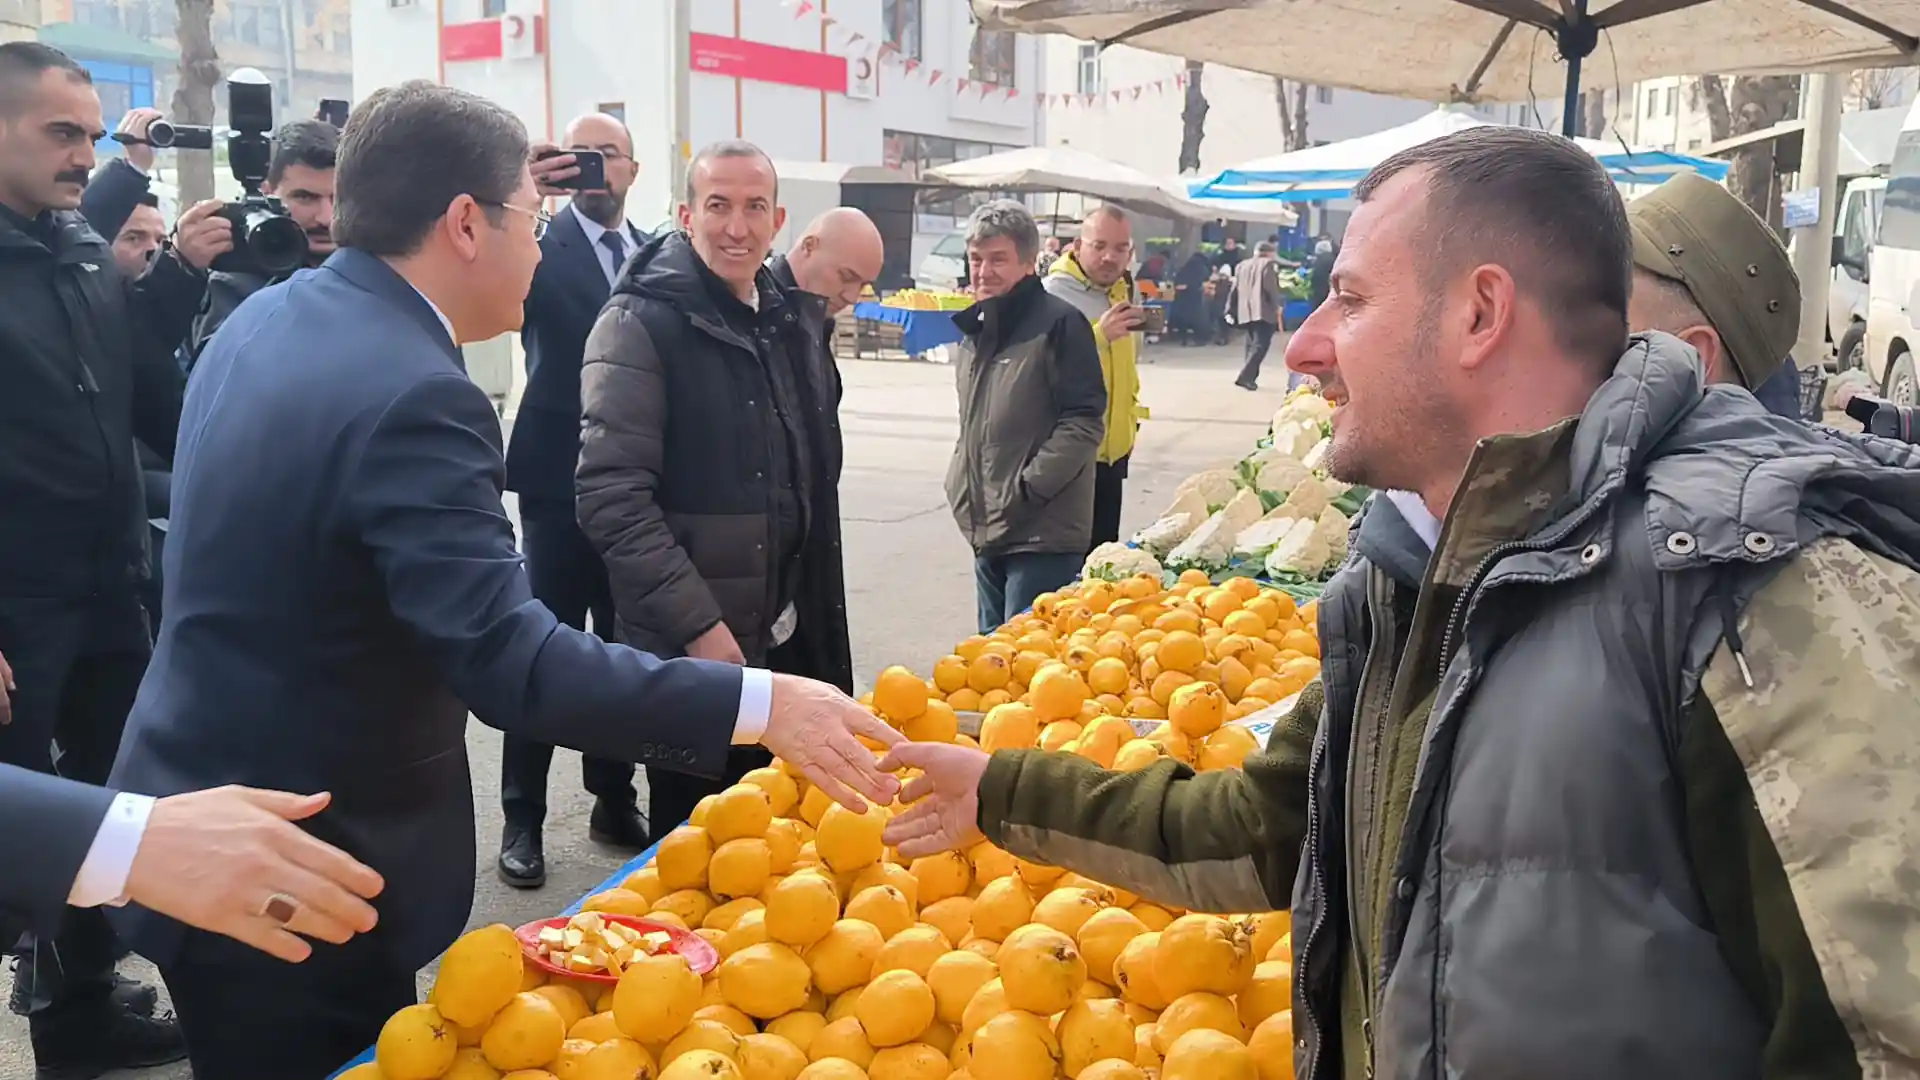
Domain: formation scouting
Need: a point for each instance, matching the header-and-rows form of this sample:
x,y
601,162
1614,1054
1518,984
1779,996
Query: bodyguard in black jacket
x,y
88,363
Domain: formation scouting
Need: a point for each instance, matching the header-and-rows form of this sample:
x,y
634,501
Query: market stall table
x,y
638,862
922,330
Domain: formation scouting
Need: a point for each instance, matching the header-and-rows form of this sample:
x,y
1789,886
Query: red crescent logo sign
x,y
864,70
515,26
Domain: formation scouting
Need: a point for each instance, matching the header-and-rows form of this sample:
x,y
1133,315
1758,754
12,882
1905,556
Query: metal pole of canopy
x,y
1577,36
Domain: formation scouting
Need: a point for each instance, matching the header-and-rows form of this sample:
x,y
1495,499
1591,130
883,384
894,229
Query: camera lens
x,y
160,134
276,241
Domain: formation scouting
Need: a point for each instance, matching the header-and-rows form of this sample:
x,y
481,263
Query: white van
x,y
1893,275
945,265
1854,229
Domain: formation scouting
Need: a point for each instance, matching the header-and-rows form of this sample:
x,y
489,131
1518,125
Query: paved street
x,y
909,576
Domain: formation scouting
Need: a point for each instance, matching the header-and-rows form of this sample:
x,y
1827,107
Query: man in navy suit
x,y
204,858
343,587
579,259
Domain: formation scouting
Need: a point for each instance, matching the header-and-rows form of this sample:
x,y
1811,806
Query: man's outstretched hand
x,y
814,727
944,800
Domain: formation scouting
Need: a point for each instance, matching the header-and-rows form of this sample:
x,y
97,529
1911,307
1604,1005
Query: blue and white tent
x,y
1331,171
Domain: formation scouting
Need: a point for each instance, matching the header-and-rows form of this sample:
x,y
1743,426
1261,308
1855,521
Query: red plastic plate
x,y
698,952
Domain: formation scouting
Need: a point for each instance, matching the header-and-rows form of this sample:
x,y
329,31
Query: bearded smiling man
x,y
1618,777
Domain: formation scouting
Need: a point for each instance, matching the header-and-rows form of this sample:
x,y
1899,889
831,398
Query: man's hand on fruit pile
x,y
943,801
817,728
231,861
717,644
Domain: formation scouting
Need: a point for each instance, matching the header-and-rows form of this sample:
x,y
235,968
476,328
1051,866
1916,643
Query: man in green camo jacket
x,y
1615,769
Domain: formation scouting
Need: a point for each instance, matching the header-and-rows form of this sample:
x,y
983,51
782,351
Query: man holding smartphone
x,y
580,255
1092,276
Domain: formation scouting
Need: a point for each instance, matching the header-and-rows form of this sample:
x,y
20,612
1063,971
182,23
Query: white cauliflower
x,y
1281,475
1188,501
1304,408
1215,486
1308,498
1295,439
1114,561
1165,534
1210,548
1260,537
1316,457
1302,554
1332,527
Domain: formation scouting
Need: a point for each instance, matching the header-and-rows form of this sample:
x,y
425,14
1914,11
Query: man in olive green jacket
x,y
1614,780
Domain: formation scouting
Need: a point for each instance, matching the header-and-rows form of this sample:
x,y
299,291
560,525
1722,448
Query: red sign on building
x,y
509,36
738,59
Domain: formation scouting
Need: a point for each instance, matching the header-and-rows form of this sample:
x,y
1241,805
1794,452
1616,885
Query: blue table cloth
x,y
638,862
921,331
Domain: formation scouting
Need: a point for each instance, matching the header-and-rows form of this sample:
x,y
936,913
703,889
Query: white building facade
x,y
903,83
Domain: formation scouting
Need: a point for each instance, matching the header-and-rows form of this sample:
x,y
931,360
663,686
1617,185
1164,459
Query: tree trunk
x,y
1193,119
1300,116
193,98
1596,125
1750,103
1710,92
1282,102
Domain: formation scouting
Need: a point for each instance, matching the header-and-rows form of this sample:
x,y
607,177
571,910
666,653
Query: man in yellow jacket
x,y
1092,276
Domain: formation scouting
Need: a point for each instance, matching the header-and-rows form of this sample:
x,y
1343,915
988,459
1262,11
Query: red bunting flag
x,y
802,10
961,85
934,78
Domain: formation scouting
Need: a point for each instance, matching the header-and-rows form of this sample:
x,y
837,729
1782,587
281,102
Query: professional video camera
x,y
266,241
1885,418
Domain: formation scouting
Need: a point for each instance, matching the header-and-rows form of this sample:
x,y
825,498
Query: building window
x,y
97,13
1089,70
615,109
1669,101
492,9
1323,94
991,60
900,26
342,34
938,211
1653,101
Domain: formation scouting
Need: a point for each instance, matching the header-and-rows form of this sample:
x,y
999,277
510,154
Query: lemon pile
x,y
1091,657
842,961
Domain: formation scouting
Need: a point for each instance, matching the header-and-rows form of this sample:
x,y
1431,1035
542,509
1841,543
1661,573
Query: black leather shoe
x,y
135,997
618,826
84,1041
522,864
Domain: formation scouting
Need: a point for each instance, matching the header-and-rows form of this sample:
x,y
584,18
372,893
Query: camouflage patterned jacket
x,y
1551,827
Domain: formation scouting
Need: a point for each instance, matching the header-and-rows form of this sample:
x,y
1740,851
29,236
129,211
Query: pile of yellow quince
x,y
1088,659
842,961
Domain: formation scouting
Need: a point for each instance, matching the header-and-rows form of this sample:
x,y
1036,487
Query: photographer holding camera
x,y
89,367
301,177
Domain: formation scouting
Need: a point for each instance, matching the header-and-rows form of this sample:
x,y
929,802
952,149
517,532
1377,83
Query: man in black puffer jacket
x,y
89,362
698,482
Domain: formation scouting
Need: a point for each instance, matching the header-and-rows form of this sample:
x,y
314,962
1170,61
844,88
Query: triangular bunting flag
x,y
961,85
935,77
802,9
1136,93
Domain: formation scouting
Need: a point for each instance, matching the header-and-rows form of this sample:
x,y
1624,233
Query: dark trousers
x,y
247,1015
1109,489
1259,340
567,575
77,666
1005,585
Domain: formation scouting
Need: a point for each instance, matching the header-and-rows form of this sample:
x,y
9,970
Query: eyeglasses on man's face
x,y
541,219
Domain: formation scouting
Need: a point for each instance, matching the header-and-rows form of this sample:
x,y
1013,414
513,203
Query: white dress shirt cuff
x,y
103,873
756,705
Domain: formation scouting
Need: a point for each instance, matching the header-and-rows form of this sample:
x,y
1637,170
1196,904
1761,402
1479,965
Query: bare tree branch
x,y
1193,118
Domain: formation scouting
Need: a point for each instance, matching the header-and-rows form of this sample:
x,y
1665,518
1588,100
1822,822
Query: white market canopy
x,y
1047,169
1329,171
1485,50
1867,141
